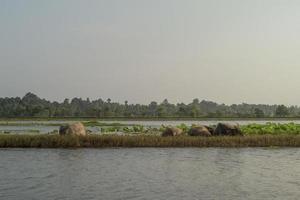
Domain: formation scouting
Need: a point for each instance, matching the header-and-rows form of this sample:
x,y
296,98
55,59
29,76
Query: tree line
x,y
33,106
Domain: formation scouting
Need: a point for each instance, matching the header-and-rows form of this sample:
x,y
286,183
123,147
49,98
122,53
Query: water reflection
x,y
170,173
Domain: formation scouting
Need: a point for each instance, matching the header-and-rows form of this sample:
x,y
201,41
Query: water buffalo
x,y
172,131
227,129
73,129
199,131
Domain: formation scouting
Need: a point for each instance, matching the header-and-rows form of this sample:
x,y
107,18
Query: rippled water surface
x,y
150,173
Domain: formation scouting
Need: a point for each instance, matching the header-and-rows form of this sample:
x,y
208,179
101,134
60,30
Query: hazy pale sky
x,y
229,51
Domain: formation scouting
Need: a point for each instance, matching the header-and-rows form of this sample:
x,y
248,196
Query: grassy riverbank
x,y
106,141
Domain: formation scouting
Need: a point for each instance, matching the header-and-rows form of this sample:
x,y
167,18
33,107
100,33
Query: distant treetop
x,y
33,106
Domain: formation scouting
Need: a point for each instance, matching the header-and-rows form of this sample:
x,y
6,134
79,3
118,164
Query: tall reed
x,y
105,141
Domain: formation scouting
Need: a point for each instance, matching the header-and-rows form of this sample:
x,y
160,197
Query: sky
x,y
229,51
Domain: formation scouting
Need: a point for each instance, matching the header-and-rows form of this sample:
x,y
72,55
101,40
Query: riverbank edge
x,y
114,141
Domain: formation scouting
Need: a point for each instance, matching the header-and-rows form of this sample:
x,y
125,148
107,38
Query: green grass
x,y
111,127
98,123
106,141
271,128
250,129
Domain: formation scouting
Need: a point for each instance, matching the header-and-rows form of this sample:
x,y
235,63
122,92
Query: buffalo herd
x,y
222,129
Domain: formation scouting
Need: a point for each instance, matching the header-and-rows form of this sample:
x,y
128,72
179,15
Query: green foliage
x,y
258,113
271,128
111,129
33,106
98,123
282,111
183,127
136,129
251,129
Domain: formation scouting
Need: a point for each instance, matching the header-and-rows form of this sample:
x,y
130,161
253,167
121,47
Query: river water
x,y
150,173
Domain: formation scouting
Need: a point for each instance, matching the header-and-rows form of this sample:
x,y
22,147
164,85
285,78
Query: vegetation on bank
x,y
110,128
250,129
105,141
255,135
99,123
271,128
32,106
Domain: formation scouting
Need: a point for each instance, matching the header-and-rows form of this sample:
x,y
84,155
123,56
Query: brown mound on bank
x,y
77,129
